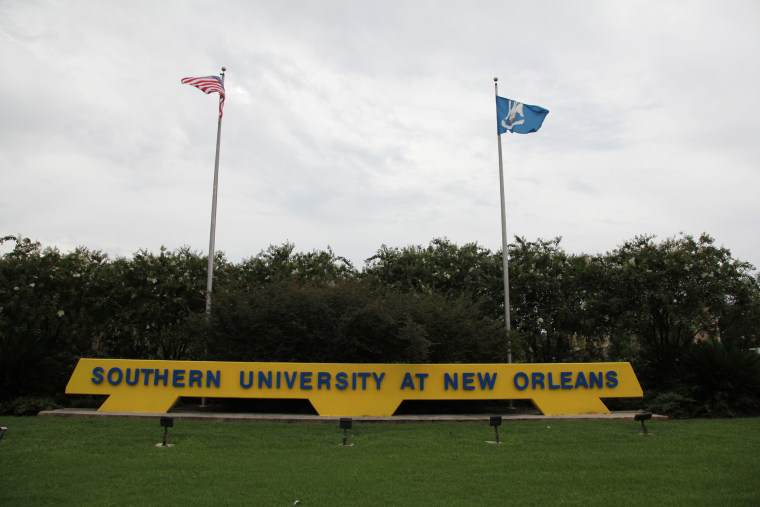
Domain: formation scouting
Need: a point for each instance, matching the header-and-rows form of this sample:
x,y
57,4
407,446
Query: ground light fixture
x,y
166,423
2,431
643,416
345,425
495,421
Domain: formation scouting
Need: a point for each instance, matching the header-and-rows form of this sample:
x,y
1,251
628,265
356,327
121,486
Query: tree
x,y
549,299
282,263
349,321
441,267
50,308
667,295
150,298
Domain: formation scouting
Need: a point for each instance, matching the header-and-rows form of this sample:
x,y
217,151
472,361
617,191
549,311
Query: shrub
x,y
28,405
349,322
724,381
672,404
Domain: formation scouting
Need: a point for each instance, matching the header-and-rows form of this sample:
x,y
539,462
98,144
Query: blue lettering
x,y
448,380
422,377
538,380
581,380
306,380
341,380
118,378
211,379
364,376
195,377
290,381
552,385
137,377
147,372
243,383
566,379
97,375
323,378
467,380
265,378
278,379
487,380
178,378
521,384
612,380
378,379
593,379
164,377
408,382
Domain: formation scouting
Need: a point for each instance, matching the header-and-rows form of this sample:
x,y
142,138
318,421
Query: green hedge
x,y
645,302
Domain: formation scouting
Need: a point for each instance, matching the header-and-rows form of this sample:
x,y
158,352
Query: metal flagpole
x,y
210,276
505,253
212,236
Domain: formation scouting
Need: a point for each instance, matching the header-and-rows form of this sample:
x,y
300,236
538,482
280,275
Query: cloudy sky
x,y
354,124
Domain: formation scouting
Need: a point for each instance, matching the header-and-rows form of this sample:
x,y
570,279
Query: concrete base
x,y
192,415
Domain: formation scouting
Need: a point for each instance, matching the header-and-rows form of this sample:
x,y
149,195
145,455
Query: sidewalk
x,y
197,415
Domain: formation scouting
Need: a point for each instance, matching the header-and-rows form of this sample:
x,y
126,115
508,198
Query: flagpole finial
x,y
224,69
495,79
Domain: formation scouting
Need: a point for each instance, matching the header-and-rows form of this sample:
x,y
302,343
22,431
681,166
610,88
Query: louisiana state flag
x,y
517,117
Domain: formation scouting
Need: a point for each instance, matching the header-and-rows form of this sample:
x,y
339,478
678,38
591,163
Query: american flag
x,y
208,84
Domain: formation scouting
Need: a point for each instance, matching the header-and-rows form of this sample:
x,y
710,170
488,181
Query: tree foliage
x,y
548,301
350,321
49,311
668,294
676,309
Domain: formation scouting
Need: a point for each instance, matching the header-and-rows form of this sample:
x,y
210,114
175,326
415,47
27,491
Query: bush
x,y
28,405
672,404
350,322
724,381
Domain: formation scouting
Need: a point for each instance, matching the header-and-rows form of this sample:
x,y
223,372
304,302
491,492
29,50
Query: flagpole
x,y
212,235
212,238
505,252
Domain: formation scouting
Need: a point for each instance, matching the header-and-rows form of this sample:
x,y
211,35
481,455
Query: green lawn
x,y
115,462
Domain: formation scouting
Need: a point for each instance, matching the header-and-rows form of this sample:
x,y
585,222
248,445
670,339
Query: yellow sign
x,y
337,389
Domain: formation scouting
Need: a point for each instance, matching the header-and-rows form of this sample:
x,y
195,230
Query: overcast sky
x,y
354,124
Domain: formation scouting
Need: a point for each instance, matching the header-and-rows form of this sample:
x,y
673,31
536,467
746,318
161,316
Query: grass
x,y
115,462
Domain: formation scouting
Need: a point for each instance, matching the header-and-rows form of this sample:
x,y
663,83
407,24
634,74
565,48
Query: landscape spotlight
x,y
345,425
2,430
166,422
643,416
495,421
